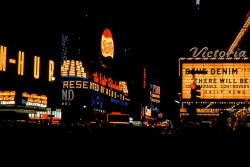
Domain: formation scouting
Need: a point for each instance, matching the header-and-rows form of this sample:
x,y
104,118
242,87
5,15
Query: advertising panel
x,y
7,97
107,44
34,100
221,80
155,93
107,48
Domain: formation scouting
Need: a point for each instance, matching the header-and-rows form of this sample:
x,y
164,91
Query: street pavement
x,y
117,140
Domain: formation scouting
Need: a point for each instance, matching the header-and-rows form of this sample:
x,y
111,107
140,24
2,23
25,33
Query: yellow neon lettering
x,y
71,84
78,84
3,56
85,85
36,67
51,70
65,84
20,63
12,61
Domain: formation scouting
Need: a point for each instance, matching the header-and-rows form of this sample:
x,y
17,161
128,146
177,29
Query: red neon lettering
x,y
96,80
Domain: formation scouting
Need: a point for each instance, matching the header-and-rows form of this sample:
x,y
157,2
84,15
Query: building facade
x,y
27,89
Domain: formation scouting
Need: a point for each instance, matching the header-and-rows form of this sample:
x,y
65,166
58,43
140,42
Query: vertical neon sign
x,y
144,78
3,56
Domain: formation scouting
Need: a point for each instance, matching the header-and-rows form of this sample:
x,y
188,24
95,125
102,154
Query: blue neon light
x,y
74,77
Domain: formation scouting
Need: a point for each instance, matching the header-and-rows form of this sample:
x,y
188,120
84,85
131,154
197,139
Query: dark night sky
x,y
157,33
153,31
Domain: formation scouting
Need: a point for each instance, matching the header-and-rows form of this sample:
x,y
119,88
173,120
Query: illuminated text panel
x,y
222,81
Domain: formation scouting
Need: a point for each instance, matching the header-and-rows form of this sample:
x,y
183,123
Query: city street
x,y
120,139
124,80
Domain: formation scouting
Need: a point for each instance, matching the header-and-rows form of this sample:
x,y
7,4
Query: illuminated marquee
x,y
21,64
34,100
74,68
7,97
70,85
107,44
99,83
222,81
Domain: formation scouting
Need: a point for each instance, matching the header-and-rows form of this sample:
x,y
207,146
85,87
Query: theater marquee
x,y
221,81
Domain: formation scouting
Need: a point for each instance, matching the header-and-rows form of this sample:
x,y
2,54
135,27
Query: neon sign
x,y
68,96
107,44
7,97
21,64
109,82
34,100
64,52
99,83
117,101
73,68
148,111
3,56
144,78
155,93
124,86
70,85
222,81
220,54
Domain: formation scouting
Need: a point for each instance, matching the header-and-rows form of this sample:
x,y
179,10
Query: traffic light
x,y
198,92
195,91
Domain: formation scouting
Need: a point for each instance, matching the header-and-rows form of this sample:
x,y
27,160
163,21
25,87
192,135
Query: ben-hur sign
x,y
222,80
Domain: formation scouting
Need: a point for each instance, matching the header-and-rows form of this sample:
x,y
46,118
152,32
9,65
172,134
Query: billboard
x,y
75,79
34,100
155,93
107,49
107,44
23,66
221,81
7,98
